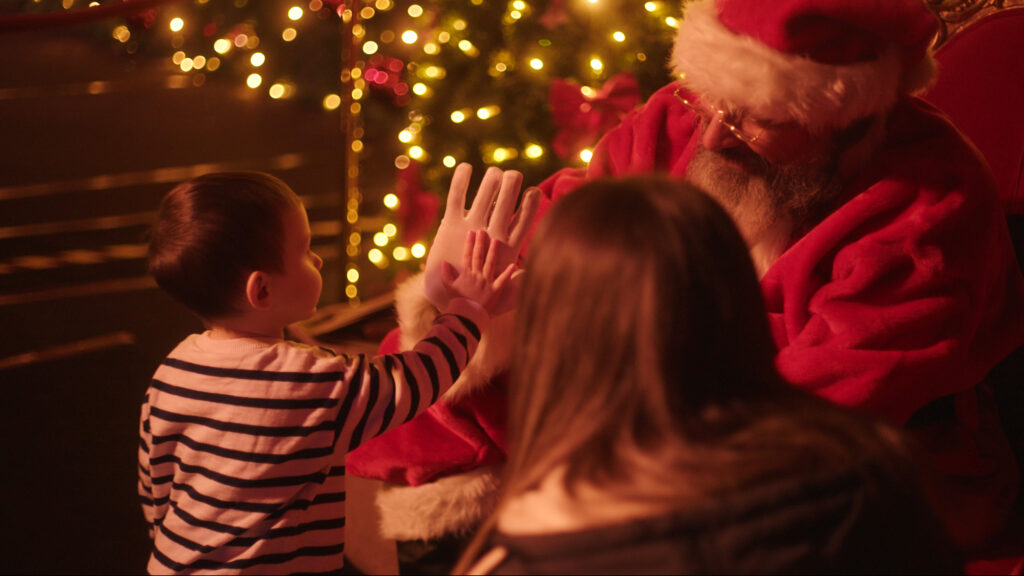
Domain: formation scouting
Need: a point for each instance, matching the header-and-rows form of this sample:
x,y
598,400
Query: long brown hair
x,y
643,351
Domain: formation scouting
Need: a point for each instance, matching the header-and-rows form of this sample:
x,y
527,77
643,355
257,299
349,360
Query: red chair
x,y
981,88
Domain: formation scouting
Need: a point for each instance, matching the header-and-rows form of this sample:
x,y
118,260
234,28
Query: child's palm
x,y
477,280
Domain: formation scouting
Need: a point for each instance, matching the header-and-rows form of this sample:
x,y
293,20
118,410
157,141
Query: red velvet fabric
x,y
833,31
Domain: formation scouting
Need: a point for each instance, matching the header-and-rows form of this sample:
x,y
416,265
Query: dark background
x,y
89,142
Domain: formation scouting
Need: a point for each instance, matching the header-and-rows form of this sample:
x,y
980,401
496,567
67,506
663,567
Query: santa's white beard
x,y
767,202
759,193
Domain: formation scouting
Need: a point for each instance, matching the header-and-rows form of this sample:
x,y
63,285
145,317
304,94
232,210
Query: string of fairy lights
x,y
414,51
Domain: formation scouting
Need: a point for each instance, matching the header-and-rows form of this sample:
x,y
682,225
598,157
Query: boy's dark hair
x,y
211,232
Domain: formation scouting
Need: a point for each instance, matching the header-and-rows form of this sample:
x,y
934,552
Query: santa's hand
x,y
493,210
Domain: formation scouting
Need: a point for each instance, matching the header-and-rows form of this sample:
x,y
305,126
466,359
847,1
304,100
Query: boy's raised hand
x,y
477,281
493,210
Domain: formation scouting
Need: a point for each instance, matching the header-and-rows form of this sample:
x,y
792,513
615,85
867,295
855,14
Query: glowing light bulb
x,y
177,24
332,102
586,154
400,253
419,250
536,63
458,116
380,239
533,151
390,230
352,275
596,64
257,59
254,80
295,13
409,37
222,46
391,201
449,161
618,36
415,10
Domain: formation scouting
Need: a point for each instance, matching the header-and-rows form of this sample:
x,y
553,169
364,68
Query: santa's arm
x,y
905,294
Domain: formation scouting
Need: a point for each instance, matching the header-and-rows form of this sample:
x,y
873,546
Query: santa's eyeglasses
x,y
745,129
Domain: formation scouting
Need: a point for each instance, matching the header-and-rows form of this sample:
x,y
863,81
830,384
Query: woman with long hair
x,y
649,430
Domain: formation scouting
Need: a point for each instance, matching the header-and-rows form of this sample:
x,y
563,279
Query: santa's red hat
x,y
822,63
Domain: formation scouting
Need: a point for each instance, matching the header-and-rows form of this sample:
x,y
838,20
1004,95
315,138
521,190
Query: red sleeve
x,y
444,440
656,137
910,291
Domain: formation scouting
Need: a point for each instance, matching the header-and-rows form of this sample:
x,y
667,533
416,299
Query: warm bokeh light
x,y
332,102
399,70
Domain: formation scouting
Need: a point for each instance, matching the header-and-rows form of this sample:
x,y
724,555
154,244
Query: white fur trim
x,y
450,506
746,74
416,315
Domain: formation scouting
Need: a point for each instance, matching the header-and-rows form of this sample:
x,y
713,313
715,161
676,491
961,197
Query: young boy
x,y
243,434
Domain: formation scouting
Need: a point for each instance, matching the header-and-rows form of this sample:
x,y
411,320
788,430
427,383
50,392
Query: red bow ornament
x,y
417,207
582,119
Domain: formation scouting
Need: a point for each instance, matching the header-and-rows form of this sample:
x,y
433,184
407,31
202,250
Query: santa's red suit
x,y
907,293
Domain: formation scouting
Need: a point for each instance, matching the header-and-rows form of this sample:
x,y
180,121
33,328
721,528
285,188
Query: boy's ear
x,y
257,290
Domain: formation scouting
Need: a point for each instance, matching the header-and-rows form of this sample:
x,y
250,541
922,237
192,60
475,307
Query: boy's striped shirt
x,y
243,443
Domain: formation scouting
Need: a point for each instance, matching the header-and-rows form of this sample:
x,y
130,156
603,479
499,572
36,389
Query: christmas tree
x,y
528,85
